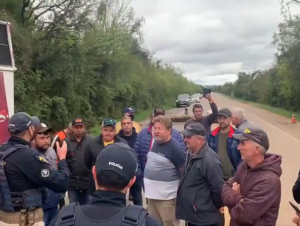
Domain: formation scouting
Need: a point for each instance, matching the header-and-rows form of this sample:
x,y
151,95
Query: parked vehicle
x,y
183,99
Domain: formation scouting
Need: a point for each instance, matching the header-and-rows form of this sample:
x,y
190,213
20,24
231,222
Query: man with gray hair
x,y
256,184
238,119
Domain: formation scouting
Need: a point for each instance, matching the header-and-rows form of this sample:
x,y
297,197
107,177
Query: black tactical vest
x,y
131,215
10,200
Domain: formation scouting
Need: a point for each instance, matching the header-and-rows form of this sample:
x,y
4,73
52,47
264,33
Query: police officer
x,y
114,173
23,171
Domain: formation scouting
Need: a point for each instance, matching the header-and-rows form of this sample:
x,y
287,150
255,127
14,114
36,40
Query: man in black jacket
x,y
79,174
129,134
114,173
199,200
97,144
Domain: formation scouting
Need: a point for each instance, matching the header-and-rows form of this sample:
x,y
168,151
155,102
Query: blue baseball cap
x,y
129,110
21,122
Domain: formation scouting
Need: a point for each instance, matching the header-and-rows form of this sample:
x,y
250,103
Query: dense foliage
x,y
278,86
85,58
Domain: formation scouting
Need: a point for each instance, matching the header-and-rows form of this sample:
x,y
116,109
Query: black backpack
x,y
131,215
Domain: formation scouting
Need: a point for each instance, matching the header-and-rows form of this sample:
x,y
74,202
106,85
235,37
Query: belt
x,y
23,217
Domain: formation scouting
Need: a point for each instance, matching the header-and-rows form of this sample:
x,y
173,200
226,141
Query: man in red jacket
x,y
253,195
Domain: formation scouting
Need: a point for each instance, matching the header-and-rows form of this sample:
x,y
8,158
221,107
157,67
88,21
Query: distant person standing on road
x,y
238,119
253,195
129,134
146,139
225,145
199,200
206,121
79,175
165,164
129,112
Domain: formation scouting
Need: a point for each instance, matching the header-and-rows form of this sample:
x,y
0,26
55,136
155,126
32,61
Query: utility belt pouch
x,y
32,198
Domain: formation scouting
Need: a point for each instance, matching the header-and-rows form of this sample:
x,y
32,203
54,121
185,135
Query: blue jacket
x,y
232,145
143,143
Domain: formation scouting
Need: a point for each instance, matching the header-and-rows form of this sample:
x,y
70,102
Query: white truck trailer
x,y
7,69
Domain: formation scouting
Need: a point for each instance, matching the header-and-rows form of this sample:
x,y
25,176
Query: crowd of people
x,y
189,175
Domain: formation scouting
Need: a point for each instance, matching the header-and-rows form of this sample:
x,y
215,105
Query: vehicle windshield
x,y
196,95
183,96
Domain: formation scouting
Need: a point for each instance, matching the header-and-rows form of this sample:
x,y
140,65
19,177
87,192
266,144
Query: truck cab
x,y
7,69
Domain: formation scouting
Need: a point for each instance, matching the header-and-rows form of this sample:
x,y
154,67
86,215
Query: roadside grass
x,y
139,116
278,111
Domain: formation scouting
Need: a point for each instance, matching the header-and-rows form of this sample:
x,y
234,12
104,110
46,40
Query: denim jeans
x,y
80,196
50,214
136,192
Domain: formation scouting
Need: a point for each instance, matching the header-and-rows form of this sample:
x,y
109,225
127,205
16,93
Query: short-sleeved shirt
x,y
161,175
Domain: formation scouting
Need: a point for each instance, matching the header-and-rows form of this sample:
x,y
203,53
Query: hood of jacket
x,y
272,162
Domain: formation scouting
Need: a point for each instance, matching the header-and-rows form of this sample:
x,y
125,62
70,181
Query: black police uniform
x,y
109,207
24,172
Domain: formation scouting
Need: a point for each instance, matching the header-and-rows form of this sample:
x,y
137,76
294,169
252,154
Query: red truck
x,y
7,69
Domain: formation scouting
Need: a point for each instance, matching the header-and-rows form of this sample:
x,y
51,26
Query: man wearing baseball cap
x,y
26,171
114,174
206,185
224,144
258,177
79,174
129,112
95,146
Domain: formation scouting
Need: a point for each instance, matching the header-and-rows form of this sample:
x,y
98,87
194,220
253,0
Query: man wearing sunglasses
x,y
79,174
96,145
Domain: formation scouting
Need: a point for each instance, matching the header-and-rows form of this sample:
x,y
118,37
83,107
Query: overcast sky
x,y
211,40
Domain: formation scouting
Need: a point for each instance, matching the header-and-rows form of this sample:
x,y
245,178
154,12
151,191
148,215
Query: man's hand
x,y
296,220
236,187
208,97
221,210
61,151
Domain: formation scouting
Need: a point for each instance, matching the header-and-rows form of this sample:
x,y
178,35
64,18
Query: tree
x,y
278,86
85,58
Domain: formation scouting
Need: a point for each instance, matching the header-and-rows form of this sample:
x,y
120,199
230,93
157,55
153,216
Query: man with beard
x,y
25,172
224,144
129,134
41,143
206,121
96,145
79,174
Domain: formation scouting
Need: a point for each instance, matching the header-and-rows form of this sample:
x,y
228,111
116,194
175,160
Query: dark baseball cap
x,y
159,111
117,157
21,122
129,110
77,121
194,129
109,122
42,128
224,112
257,135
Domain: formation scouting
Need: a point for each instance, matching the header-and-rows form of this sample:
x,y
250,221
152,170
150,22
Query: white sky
x,y
211,41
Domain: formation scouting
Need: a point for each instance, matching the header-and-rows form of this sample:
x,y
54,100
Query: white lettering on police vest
x,y
115,164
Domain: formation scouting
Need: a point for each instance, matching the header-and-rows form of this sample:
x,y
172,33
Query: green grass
x,y
139,116
279,111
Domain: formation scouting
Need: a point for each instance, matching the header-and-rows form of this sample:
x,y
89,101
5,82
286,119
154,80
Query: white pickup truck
x,y
7,69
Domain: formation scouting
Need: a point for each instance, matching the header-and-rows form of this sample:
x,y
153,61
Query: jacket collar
x,y
216,131
108,198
